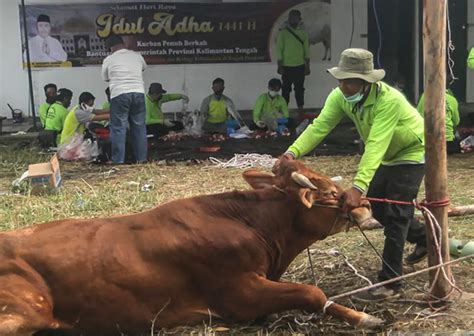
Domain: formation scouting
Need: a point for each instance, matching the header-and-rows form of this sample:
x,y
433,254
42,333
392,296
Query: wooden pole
x,y
434,53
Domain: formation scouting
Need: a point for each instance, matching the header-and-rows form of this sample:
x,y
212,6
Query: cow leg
x,y
24,309
266,297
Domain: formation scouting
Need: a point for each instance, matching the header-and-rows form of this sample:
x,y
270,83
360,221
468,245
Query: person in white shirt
x,y
123,70
42,47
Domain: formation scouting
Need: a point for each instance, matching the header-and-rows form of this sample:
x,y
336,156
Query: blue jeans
x,y
128,109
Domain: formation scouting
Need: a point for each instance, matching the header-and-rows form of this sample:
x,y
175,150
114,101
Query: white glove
x,y
260,124
168,123
87,108
185,98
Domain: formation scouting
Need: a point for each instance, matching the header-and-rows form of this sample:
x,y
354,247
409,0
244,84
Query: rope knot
x,y
433,204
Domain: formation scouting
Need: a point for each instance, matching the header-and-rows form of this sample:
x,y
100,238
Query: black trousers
x,y
400,183
293,76
453,147
159,130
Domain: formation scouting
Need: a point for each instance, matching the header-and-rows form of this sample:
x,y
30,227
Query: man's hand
x,y
285,157
307,71
168,123
280,70
351,198
185,98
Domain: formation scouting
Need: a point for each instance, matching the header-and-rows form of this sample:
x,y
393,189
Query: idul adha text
x,y
161,22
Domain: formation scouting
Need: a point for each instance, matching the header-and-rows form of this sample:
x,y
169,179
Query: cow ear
x,y
258,179
307,197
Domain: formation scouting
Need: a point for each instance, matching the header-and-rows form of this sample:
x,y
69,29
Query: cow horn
x,y
303,181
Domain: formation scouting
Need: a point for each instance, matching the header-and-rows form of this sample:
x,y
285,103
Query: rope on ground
x,y
386,282
336,253
249,160
437,233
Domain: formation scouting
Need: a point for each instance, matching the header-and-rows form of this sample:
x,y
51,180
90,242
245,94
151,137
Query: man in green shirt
x,y
392,165
156,123
292,47
215,109
55,117
452,120
270,106
50,90
83,116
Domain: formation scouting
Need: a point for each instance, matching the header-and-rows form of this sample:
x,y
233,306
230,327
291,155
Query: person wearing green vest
x,y
216,108
56,115
292,47
156,123
452,120
270,106
80,116
392,165
50,90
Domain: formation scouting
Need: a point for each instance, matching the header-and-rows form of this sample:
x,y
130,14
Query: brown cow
x,y
177,263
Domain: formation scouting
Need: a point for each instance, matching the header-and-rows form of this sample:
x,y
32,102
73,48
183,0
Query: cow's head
x,y
312,193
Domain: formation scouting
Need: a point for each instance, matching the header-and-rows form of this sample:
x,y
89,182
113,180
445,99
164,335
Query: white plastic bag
x,y
78,149
193,123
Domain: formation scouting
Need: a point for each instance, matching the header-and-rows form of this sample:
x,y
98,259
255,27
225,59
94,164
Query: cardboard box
x,y
45,177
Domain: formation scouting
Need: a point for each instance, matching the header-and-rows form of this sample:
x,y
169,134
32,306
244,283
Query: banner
x,y
169,33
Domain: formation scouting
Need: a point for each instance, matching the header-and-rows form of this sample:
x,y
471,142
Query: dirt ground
x,y
96,191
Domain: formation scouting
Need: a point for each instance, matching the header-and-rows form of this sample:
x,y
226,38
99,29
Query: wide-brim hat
x,y
357,63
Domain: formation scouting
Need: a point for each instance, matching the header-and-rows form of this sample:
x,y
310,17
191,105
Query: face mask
x,y
50,99
354,99
272,93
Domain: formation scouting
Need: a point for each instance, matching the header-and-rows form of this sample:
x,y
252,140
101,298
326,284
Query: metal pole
x,y
28,64
434,52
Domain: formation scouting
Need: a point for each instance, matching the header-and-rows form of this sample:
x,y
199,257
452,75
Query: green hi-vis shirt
x,y
154,115
43,109
452,113
290,51
391,128
75,123
215,110
470,59
267,106
55,118
106,105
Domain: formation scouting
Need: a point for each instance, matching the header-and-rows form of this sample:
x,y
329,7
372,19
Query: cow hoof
x,y
370,224
370,322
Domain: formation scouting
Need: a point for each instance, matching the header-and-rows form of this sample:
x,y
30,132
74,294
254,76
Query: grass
x,y
97,191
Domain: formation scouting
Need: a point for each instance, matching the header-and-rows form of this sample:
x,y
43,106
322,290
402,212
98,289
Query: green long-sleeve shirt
x,y
55,117
452,113
154,114
290,51
43,109
266,106
391,128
